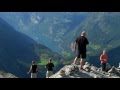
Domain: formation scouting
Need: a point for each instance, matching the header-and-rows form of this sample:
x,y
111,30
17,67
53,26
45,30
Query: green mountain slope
x,y
18,50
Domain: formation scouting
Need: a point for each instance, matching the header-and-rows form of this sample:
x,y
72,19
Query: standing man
x,y
33,70
80,45
49,67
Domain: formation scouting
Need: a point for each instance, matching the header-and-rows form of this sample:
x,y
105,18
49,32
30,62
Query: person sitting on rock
x,y
103,59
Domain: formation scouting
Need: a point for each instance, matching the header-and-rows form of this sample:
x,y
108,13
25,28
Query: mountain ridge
x,y
18,50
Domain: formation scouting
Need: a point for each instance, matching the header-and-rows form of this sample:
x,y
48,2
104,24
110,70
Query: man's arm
x,y
87,42
100,57
29,70
46,65
106,58
37,69
52,65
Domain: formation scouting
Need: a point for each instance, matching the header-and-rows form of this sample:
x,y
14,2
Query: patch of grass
x,y
66,54
95,46
44,60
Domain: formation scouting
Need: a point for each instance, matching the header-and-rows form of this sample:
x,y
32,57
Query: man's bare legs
x,y
75,60
82,63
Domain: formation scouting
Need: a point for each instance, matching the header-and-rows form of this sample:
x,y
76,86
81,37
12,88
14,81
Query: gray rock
x,y
72,71
62,73
108,67
99,69
86,68
86,63
114,71
93,68
96,76
7,75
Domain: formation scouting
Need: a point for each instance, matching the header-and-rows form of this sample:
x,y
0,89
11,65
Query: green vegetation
x,y
44,60
66,54
94,46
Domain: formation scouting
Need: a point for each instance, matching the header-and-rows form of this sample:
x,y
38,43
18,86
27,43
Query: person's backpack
x,y
72,46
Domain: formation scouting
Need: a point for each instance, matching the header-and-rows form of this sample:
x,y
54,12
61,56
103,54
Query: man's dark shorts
x,y
81,54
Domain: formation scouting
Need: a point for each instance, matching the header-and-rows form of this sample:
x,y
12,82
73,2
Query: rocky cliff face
x,y
88,71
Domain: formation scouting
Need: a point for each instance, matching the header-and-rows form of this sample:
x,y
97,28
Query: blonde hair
x,y
104,51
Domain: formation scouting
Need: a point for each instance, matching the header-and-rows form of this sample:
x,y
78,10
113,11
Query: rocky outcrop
x,y
115,71
88,71
7,75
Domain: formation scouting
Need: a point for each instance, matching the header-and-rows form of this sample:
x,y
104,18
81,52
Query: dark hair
x,y
50,59
33,61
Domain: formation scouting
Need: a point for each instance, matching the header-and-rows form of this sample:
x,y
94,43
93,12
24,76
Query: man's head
x,y
104,51
50,60
33,62
83,33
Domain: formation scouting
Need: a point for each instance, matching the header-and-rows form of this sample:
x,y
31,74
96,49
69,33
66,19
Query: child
x,y
103,59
